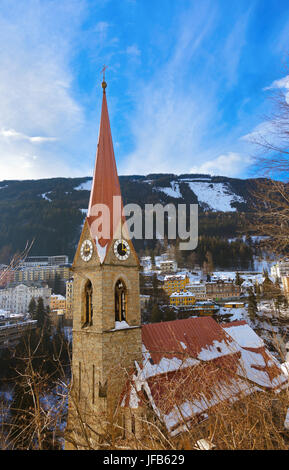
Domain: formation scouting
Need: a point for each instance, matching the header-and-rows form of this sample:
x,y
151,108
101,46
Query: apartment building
x,y
182,298
198,289
174,283
280,269
222,290
16,299
57,302
168,266
42,273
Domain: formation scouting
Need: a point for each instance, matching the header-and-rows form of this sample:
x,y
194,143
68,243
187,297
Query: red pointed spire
x,y
105,186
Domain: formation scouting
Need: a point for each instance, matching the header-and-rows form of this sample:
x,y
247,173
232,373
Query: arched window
x,y
120,295
88,309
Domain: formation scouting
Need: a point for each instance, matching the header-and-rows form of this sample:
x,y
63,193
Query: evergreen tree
x,y
238,280
156,315
32,307
252,304
42,317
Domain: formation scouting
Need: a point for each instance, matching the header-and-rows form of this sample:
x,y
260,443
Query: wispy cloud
x,y
230,164
37,103
177,115
9,134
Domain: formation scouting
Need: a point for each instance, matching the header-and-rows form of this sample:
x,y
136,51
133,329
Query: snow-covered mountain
x,y
211,193
52,211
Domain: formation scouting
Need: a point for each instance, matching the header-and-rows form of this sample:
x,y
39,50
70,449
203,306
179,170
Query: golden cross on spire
x,y
103,71
104,82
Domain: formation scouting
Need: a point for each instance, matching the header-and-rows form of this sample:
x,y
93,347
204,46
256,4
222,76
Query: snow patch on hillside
x,y
217,196
86,186
172,191
44,196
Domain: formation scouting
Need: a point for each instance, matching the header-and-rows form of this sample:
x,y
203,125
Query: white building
x,y
280,269
37,261
168,266
146,263
17,299
198,289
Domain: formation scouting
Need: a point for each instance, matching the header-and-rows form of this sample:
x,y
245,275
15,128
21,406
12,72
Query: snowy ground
x,y
271,328
216,196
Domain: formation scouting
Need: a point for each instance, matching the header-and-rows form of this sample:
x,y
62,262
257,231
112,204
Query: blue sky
x,y
188,80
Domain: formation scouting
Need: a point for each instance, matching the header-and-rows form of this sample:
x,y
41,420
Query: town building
x,y
37,261
16,299
233,305
168,266
198,289
174,283
280,269
146,263
222,290
144,300
12,328
204,307
42,273
182,298
57,302
285,284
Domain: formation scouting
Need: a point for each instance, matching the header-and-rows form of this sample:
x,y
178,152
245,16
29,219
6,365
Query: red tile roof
x,y
164,339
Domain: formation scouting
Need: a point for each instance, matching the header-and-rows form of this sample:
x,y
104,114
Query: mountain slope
x,y
51,211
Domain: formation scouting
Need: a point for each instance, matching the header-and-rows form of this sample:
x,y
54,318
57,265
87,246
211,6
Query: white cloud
x,y
230,164
133,51
12,134
37,102
281,83
177,121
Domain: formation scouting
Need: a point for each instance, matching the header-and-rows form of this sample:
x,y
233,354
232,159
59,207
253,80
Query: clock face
x,y
86,250
121,249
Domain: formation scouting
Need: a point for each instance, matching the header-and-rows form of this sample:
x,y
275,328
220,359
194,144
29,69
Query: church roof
x,y
105,187
190,366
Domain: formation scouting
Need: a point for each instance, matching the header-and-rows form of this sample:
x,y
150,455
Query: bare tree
x,y
270,214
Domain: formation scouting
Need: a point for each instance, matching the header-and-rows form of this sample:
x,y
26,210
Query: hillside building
x,y
168,266
38,261
280,269
182,298
57,302
42,273
174,283
146,263
17,299
198,290
222,290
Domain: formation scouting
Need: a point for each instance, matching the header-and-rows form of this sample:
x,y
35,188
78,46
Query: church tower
x,y
106,304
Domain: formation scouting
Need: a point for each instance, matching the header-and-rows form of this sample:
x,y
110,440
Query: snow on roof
x,y
171,277
58,296
199,363
244,335
256,363
183,293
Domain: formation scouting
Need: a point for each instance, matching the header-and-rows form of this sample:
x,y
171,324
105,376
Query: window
x,y
88,308
120,295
